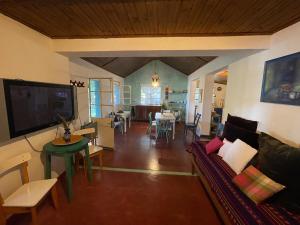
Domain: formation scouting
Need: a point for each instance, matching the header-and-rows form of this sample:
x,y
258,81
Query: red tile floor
x,y
133,198
136,150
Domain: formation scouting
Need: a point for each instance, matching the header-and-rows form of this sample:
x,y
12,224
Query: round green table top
x,y
50,148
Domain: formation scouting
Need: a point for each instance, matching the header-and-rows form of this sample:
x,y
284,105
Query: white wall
x,y
145,46
244,88
206,83
206,106
81,70
26,54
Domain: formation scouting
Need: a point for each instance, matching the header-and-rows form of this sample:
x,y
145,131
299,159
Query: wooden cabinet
x,y
141,112
106,136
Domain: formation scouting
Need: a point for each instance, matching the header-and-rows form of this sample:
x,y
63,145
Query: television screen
x,y
32,106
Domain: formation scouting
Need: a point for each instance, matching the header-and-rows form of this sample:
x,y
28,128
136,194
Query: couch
x,y
231,204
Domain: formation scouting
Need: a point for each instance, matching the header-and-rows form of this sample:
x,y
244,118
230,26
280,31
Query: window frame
x,y
149,99
90,99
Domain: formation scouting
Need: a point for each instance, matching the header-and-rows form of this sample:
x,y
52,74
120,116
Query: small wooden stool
x,y
95,151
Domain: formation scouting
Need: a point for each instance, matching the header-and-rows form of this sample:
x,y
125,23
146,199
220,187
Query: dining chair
x,y
94,149
163,128
220,129
177,114
215,121
192,126
118,121
27,197
152,123
93,136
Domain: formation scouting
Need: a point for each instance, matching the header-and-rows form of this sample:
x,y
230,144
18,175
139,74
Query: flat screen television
x,y
32,106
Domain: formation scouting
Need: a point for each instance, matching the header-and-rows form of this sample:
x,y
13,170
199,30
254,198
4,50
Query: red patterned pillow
x,y
214,145
257,186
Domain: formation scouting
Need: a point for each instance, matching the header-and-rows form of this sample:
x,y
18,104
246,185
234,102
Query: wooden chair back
x,y
163,125
197,118
20,160
150,118
85,131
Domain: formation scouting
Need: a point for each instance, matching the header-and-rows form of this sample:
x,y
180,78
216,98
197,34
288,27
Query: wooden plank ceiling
x,y
124,66
140,18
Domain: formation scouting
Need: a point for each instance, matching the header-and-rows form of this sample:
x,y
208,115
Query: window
x,y
117,95
150,95
95,102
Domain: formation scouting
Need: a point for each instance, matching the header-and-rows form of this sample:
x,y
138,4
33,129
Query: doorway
x,y
218,99
195,98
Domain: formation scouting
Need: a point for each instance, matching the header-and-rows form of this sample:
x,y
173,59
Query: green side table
x,y
68,152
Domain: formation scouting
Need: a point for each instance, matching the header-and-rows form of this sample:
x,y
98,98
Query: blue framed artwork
x,y
281,80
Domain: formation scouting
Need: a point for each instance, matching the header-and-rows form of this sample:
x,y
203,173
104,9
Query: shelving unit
x,y
176,101
126,96
105,92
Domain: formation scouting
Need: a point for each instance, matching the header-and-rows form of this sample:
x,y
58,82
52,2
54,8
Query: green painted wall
x,y
168,77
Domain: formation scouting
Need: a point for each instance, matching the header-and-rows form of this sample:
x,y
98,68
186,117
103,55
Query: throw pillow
x,y
232,132
243,123
239,155
214,145
226,146
257,186
281,163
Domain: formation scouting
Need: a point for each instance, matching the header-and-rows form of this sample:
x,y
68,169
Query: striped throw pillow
x,y
257,186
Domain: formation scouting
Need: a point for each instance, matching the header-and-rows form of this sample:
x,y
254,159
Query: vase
x,y
67,135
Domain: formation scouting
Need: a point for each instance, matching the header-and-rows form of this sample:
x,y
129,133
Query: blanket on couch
x,y
239,208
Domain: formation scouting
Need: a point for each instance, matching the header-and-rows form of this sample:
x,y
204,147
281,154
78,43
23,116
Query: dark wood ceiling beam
x,y
174,67
202,59
139,66
110,61
124,66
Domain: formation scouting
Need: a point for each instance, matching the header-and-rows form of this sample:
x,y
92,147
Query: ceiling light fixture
x,y
155,77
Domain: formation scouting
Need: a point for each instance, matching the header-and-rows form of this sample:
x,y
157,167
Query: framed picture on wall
x,y
281,80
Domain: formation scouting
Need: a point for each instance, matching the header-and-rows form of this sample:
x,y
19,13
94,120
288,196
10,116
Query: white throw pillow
x,y
226,145
239,155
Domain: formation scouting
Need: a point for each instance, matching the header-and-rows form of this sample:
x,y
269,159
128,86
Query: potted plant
x,y
67,134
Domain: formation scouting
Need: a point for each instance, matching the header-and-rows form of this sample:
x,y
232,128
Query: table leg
x,y
48,166
174,130
73,165
88,163
129,121
125,124
156,131
68,165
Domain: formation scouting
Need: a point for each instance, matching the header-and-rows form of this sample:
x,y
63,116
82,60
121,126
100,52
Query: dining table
x,y
167,116
125,115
